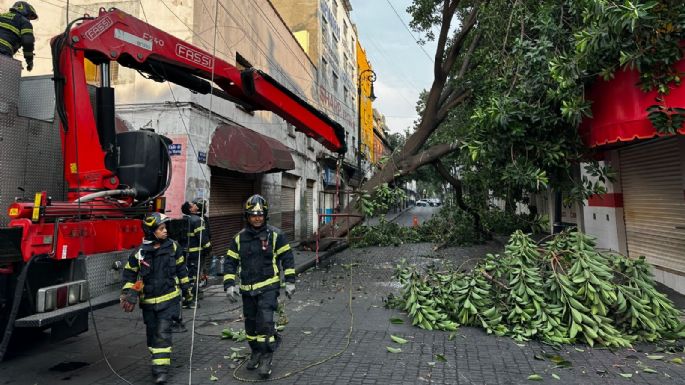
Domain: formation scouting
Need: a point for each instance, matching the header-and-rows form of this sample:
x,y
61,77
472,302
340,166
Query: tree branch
x,y
448,10
469,54
429,155
459,195
454,101
459,40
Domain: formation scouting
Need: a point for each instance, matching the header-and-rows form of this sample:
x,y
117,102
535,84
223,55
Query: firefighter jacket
x,y
258,253
198,234
163,272
16,31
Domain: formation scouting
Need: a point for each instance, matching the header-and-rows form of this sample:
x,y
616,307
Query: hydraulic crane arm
x,y
117,36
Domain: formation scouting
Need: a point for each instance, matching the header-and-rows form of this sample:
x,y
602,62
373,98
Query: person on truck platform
x,y
156,275
16,31
259,249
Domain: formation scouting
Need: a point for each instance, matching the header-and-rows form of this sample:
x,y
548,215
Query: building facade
x,y
643,211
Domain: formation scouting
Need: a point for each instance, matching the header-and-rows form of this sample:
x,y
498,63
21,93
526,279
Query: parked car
x,y
422,203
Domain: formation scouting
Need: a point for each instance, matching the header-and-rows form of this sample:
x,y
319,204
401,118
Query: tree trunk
x,y
391,170
459,195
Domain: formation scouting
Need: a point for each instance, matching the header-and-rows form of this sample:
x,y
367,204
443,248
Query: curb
x,y
312,262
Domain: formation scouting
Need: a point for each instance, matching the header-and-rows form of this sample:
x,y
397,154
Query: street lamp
x,y
370,76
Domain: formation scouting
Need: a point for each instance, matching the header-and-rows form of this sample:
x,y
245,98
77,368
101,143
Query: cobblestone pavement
x,y
318,328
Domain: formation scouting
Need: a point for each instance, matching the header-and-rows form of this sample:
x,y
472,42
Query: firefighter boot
x,y
265,365
253,362
161,378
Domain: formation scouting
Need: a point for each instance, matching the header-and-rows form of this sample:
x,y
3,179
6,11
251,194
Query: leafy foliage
x,y
562,292
528,79
382,198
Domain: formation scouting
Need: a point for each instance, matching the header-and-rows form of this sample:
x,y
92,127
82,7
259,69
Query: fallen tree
x,y
562,292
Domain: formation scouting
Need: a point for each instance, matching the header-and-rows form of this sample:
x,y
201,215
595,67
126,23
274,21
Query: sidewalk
x,y
321,326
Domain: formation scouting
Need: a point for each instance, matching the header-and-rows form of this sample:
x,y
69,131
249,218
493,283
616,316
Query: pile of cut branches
x,y
562,292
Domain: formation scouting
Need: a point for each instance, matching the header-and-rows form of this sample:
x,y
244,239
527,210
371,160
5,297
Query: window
x,y
346,95
335,82
323,72
324,32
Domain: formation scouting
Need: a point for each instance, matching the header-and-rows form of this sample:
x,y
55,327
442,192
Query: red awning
x,y
240,149
619,109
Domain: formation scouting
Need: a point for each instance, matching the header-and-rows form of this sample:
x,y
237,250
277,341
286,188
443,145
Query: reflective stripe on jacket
x,y
16,32
259,253
163,272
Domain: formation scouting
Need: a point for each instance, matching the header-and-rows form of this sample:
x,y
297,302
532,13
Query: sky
x,y
403,69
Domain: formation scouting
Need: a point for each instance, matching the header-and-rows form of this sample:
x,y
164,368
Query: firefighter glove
x,y
289,290
29,64
128,301
188,296
232,293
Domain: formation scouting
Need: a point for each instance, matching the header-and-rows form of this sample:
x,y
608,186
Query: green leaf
x,y
398,340
307,332
580,350
440,358
393,350
677,360
655,357
237,349
213,378
534,377
396,321
626,375
555,376
649,370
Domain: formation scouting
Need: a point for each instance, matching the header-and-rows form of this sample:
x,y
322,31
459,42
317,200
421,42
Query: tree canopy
x,y
527,78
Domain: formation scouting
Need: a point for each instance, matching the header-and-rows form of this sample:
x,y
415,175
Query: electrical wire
x,y
409,30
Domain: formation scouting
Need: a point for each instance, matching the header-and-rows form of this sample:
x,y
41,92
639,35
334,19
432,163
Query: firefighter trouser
x,y
259,312
157,320
195,269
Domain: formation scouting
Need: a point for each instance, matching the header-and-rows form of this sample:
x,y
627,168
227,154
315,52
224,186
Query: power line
x,y
409,30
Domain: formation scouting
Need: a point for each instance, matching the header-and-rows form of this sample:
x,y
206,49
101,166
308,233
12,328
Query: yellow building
x,y
364,92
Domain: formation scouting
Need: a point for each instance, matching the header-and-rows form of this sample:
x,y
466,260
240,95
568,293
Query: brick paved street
x,y
318,328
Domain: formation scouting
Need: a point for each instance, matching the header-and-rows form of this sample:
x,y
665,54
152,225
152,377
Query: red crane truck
x,y
57,258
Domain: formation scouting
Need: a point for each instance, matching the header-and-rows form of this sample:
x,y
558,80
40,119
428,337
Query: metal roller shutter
x,y
309,207
228,195
288,206
652,181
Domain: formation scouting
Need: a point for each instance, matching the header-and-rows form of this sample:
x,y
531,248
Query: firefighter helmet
x,y
201,204
185,208
256,205
152,222
25,9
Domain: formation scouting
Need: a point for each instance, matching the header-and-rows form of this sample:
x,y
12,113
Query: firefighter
x,y
16,31
156,275
259,249
199,243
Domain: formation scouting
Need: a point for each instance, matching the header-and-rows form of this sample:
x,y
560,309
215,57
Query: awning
x,y
240,149
619,109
